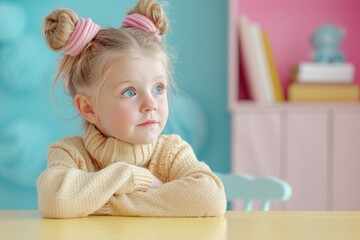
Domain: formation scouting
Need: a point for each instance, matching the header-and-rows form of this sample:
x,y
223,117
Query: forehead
x,y
136,67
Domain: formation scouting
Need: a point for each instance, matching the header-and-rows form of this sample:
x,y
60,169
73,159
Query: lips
x,y
148,123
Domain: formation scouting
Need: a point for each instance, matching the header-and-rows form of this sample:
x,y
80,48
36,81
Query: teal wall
x,y
30,121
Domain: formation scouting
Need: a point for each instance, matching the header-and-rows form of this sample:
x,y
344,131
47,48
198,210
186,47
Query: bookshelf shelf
x,y
314,146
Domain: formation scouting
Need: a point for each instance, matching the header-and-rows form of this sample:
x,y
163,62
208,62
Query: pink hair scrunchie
x,y
85,31
142,22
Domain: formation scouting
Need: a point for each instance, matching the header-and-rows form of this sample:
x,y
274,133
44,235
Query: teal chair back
x,y
250,189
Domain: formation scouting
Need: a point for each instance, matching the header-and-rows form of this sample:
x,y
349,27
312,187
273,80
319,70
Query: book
x,y
274,75
253,56
313,72
312,92
247,57
263,72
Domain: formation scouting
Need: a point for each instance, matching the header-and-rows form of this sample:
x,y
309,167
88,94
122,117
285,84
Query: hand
x,y
157,183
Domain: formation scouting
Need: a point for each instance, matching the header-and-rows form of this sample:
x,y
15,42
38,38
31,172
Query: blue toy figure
x,y
326,41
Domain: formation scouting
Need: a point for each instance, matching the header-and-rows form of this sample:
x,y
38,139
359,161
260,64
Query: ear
x,y
85,107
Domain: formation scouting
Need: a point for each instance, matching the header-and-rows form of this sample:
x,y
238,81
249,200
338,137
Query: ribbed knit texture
x,y
100,175
110,150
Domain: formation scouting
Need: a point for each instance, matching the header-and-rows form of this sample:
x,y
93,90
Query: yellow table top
x,y
234,225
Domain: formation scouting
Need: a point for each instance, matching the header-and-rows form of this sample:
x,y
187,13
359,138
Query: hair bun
x,y
154,11
58,27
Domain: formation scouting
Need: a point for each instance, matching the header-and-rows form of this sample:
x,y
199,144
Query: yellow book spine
x,y
274,75
298,92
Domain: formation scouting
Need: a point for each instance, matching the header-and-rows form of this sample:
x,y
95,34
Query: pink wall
x,y
290,23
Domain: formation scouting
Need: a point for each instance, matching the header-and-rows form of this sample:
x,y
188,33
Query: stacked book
x,y
323,82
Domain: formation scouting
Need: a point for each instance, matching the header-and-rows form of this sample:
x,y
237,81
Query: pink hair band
x,y
142,22
85,31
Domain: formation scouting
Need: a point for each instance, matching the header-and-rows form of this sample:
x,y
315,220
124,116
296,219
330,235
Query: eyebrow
x,y
160,76
121,83
156,78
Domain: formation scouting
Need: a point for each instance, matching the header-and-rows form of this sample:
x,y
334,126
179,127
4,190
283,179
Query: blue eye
x,y
159,89
129,93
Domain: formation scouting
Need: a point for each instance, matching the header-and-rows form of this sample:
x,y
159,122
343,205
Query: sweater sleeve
x,y
65,190
191,189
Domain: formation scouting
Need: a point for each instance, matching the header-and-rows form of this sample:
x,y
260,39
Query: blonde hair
x,y
87,71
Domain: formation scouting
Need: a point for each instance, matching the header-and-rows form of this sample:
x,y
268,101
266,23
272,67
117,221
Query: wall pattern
x,y
30,121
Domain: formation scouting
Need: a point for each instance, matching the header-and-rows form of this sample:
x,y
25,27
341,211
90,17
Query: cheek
x,y
115,114
164,109
125,113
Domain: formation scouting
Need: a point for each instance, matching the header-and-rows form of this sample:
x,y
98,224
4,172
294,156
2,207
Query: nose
x,y
149,104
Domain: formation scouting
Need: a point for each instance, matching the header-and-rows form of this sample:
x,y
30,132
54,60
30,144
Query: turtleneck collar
x,y
108,150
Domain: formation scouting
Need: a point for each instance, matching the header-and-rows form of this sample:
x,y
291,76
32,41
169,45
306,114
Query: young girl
x,y
119,81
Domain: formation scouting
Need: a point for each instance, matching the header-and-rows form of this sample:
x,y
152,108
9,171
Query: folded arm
x,y
65,190
190,189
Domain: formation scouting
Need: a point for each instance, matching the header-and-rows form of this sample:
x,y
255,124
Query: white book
x,y
246,46
263,71
312,72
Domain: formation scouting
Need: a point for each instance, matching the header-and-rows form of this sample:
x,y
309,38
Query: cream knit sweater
x,y
100,175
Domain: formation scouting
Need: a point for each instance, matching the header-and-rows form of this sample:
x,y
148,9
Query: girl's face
x,y
133,105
